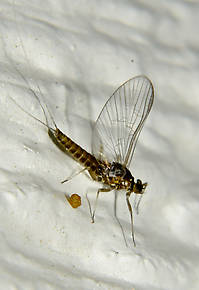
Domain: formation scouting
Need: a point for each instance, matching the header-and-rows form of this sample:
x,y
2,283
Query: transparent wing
x,y
121,120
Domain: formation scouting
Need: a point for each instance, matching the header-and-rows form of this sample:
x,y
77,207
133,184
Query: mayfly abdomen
x,y
69,147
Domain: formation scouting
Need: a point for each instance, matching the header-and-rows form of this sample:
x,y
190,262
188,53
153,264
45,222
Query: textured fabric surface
x,y
73,55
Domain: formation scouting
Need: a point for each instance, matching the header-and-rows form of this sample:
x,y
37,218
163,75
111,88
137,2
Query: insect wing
x,y
120,122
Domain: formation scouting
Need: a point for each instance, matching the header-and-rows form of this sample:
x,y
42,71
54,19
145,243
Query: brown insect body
x,y
114,175
114,140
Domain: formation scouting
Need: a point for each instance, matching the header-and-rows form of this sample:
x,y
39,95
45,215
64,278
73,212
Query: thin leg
x,y
131,215
89,205
95,206
73,175
117,219
138,204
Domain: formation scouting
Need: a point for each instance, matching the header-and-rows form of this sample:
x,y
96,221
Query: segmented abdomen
x,y
72,149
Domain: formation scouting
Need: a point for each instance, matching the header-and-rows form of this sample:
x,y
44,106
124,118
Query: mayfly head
x,y
139,187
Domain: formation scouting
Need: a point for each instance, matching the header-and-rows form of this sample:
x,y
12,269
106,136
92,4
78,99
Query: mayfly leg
x,y
131,215
73,175
138,203
92,213
117,219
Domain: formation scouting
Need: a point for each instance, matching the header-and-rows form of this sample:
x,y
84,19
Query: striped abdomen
x,y
72,149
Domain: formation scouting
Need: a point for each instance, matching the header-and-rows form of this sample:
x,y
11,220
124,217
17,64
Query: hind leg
x,y
73,175
95,206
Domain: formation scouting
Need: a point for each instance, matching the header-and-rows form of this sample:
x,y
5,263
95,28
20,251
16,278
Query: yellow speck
x,y
74,200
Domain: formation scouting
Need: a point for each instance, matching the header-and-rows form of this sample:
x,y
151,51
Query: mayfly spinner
x,y
115,135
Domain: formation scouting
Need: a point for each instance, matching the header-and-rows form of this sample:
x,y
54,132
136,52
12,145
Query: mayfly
x,y
115,135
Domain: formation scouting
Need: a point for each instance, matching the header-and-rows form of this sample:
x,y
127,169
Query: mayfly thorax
x,y
114,139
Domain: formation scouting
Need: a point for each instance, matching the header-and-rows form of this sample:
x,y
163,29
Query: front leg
x,y
131,215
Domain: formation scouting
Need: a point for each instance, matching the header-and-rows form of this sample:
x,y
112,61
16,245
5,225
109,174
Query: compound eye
x,y
139,181
144,185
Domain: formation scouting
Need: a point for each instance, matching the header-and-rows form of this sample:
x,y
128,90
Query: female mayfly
x,y
115,135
